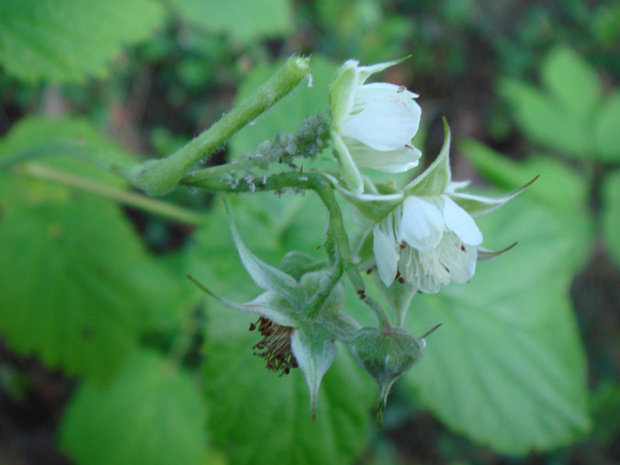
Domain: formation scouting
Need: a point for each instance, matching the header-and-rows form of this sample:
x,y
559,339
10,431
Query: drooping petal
x,y
422,224
314,351
389,161
457,259
386,254
384,124
461,222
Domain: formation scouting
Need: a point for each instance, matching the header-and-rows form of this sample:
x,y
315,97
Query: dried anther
x,y
275,346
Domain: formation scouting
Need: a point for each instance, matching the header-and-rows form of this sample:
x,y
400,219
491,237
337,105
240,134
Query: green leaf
x,y
263,418
507,368
77,287
67,40
572,81
151,413
242,20
68,144
606,127
291,111
611,216
544,121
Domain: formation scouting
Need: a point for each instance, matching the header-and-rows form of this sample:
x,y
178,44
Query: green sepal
x,y
266,276
486,254
385,353
349,170
314,350
436,178
297,264
342,91
366,71
477,205
398,296
314,283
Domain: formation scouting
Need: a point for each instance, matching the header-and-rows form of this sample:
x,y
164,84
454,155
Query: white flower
x,y
372,124
428,242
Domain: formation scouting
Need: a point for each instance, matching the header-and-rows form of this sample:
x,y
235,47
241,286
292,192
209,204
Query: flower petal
x,y
422,224
461,222
384,124
388,161
386,255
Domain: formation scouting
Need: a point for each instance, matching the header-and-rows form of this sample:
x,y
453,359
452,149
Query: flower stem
x,y
166,210
316,304
160,177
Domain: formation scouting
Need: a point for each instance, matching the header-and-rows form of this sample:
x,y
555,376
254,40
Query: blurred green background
x,y
108,356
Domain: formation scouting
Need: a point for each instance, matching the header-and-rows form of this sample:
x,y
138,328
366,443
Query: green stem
x,y
317,303
132,199
160,177
382,316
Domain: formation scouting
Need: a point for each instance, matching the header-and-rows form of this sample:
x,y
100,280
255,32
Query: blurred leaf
x,y
606,127
611,216
77,286
150,414
67,40
545,122
507,368
573,82
81,141
560,188
242,20
263,418
288,114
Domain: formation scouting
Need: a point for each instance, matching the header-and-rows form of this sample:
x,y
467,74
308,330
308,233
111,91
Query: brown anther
x,y
462,247
401,280
401,89
275,345
402,244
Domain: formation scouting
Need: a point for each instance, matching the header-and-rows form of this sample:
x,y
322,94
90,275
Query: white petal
x,y
458,259
461,222
384,124
386,254
379,91
390,161
422,224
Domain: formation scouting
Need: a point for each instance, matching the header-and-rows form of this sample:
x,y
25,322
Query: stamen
x,y
275,345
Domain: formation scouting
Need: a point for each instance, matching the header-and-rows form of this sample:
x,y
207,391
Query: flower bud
x,y
386,353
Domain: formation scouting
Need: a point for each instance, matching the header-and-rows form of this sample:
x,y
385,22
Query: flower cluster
x,y
418,238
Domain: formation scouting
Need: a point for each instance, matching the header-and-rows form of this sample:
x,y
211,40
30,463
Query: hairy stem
x,y
159,177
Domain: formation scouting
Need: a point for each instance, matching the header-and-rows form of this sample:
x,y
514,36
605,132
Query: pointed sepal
x,y
315,350
486,254
398,296
436,178
266,276
477,205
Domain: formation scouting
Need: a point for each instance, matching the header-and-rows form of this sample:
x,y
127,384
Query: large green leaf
x,y
258,417
243,20
611,216
151,413
77,286
288,114
507,367
66,40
